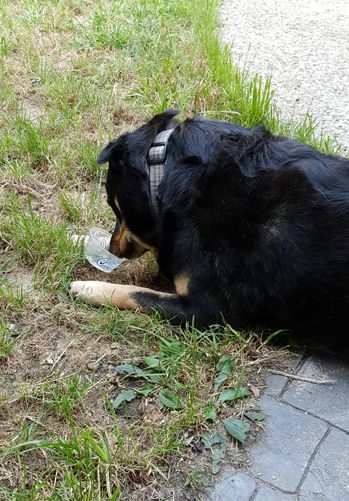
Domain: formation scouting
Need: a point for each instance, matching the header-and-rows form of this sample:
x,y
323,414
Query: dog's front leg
x,y
130,297
122,296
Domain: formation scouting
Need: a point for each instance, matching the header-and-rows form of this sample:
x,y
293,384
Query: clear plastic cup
x,y
96,251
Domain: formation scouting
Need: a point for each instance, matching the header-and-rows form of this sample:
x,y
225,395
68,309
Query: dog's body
x,y
253,228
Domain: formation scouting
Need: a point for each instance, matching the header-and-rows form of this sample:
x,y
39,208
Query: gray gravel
x,y
304,45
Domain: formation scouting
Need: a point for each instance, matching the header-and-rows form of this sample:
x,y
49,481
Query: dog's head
x,y
128,188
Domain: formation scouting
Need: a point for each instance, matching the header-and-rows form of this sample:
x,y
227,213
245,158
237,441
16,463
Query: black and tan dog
x,y
252,228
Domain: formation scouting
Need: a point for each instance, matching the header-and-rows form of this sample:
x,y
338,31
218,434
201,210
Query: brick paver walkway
x,y
304,450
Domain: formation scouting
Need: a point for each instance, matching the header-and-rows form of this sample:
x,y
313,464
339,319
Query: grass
x,y
75,74
7,340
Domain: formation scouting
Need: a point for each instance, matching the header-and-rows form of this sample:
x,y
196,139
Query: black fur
x,y
259,224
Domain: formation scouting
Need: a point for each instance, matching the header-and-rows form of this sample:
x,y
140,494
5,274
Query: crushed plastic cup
x,y
96,252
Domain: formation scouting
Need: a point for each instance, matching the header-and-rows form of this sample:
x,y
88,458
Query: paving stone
x,y
329,402
288,441
275,385
238,487
266,493
328,476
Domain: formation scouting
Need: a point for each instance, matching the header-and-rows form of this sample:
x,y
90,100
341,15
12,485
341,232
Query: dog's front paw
x,y
82,290
93,292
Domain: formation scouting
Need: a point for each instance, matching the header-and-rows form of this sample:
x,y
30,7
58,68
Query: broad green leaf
x,y
218,453
124,396
126,369
233,394
224,367
236,428
133,370
146,390
153,362
255,415
216,461
169,399
223,361
214,438
210,412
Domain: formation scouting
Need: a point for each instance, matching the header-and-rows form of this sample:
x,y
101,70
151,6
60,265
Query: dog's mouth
x,y
129,251
125,244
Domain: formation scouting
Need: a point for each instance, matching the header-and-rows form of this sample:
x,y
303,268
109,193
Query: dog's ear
x,y
162,120
141,140
113,148
157,124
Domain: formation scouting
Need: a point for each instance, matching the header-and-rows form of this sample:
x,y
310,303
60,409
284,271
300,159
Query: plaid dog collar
x,y
157,160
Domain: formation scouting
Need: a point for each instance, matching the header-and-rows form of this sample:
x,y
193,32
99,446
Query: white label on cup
x,y
106,263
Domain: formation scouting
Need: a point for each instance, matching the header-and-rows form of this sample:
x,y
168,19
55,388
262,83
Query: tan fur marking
x,y
182,285
100,293
141,243
117,203
122,237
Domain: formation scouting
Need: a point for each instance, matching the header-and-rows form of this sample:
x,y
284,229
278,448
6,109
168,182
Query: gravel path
x,y
304,46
